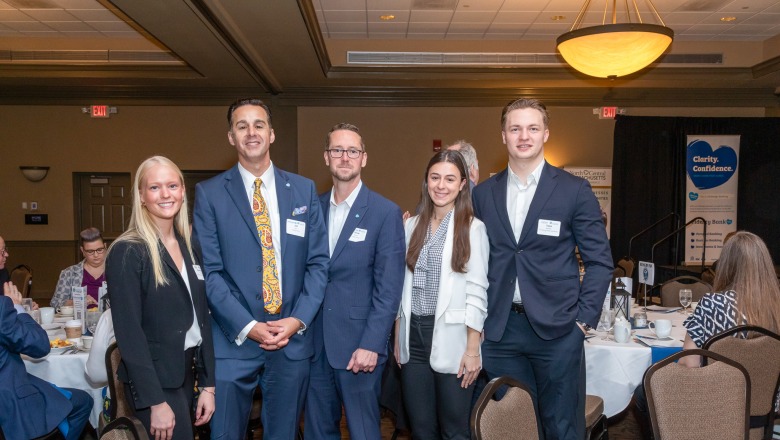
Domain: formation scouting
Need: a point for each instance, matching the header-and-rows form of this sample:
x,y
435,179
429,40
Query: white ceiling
x,y
698,20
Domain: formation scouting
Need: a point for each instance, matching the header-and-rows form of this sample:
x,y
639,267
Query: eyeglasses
x,y
4,250
98,251
336,153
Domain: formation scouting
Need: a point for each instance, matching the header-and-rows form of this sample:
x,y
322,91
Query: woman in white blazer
x,y
444,303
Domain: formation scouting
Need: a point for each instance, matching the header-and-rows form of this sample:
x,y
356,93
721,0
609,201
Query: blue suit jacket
x,y
232,259
29,407
545,265
365,279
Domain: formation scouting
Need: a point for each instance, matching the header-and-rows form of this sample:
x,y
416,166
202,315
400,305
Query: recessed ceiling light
x,y
727,19
387,17
558,17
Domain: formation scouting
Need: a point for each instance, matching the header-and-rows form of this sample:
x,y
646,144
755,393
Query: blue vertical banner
x,y
712,175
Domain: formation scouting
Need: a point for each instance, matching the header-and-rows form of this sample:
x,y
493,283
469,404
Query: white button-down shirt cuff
x,y
242,336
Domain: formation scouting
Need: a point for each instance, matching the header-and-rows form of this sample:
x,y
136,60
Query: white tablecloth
x,y
67,371
614,370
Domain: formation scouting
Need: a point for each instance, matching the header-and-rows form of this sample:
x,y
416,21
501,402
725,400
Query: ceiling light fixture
x,y
615,49
727,19
387,17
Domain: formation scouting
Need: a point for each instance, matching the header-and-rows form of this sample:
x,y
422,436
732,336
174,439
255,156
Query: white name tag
x,y
549,227
198,272
295,227
358,235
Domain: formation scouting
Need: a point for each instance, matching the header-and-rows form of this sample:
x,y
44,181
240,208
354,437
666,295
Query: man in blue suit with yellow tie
x,y
538,310
265,257
365,278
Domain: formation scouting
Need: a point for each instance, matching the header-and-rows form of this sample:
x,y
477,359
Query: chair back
x,y
670,290
758,350
511,417
125,428
627,264
21,276
119,406
709,402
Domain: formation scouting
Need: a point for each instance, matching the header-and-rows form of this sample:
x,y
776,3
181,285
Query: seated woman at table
x,y
88,272
31,407
746,292
444,303
160,315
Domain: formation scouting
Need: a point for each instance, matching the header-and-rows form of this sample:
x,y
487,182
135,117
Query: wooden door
x,y
103,200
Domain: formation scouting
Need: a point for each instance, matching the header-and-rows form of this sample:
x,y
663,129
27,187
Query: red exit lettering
x,y
99,111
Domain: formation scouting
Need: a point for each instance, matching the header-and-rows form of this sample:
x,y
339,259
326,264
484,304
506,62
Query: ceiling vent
x,y
33,4
434,5
498,59
89,56
702,5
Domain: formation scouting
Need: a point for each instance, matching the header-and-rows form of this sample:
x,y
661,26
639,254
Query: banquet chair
x,y
21,276
124,428
512,417
595,420
714,404
670,290
760,355
119,406
627,264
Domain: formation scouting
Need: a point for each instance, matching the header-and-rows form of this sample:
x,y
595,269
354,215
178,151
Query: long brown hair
x,y
461,247
745,267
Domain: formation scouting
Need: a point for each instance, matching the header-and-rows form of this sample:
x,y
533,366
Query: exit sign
x,y
608,112
98,111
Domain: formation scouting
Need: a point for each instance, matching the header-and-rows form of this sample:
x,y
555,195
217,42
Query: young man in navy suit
x,y
31,407
365,278
538,310
265,258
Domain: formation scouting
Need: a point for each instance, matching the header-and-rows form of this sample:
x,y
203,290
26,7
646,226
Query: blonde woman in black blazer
x,y
159,307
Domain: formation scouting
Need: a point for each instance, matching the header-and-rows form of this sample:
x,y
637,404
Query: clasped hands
x,y
276,334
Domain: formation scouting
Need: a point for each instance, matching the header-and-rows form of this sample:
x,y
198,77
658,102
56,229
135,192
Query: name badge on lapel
x,y
551,228
358,235
198,272
295,227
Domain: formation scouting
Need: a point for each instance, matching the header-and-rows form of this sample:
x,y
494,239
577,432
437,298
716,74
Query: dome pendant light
x,y
615,49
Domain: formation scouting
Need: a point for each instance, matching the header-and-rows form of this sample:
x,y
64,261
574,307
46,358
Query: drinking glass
x,y
686,296
92,321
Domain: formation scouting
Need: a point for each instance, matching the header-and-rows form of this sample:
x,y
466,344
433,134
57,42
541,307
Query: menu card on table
x,y
80,304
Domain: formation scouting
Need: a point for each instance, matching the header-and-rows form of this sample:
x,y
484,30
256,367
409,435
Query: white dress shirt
x,y
337,215
519,195
268,190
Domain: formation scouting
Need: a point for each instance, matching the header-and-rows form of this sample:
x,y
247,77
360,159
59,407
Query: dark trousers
x,y
283,383
554,370
179,399
329,389
437,406
79,415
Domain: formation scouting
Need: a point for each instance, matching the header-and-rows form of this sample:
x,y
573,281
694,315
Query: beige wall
x,y
399,142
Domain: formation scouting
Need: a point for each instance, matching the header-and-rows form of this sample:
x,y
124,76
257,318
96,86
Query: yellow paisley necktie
x,y
272,298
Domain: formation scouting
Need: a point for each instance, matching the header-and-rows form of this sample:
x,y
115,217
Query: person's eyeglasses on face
x,y
336,153
98,251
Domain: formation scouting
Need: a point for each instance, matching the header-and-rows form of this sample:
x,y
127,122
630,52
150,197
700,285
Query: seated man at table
x,y
31,407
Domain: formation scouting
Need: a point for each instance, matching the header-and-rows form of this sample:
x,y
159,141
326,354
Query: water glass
x,y
686,296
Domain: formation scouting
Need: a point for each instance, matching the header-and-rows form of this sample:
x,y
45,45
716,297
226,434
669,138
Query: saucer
x,y
52,326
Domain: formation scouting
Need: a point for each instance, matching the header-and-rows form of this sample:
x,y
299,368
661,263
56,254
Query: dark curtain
x,y
648,180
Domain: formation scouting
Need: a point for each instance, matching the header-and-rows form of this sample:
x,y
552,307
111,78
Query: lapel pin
x,y
357,215
287,184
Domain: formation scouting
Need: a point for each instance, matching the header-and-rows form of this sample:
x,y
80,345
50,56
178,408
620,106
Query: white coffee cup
x,y
661,327
86,342
73,329
621,330
47,315
66,310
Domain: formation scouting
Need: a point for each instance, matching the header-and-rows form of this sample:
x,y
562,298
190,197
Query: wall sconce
x,y
34,174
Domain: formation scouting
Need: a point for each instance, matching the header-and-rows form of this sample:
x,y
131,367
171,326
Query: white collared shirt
x,y
337,215
519,195
268,190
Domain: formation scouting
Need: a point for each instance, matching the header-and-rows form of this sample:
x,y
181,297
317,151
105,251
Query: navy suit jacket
x,y
232,259
545,265
29,407
365,279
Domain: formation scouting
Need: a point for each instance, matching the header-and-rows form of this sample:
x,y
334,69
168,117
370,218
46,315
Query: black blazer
x,y
151,322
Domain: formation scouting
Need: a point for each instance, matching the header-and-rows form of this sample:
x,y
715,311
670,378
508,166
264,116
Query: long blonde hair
x,y
142,228
745,267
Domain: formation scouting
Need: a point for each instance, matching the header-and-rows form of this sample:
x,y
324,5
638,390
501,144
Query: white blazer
x,y
462,300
